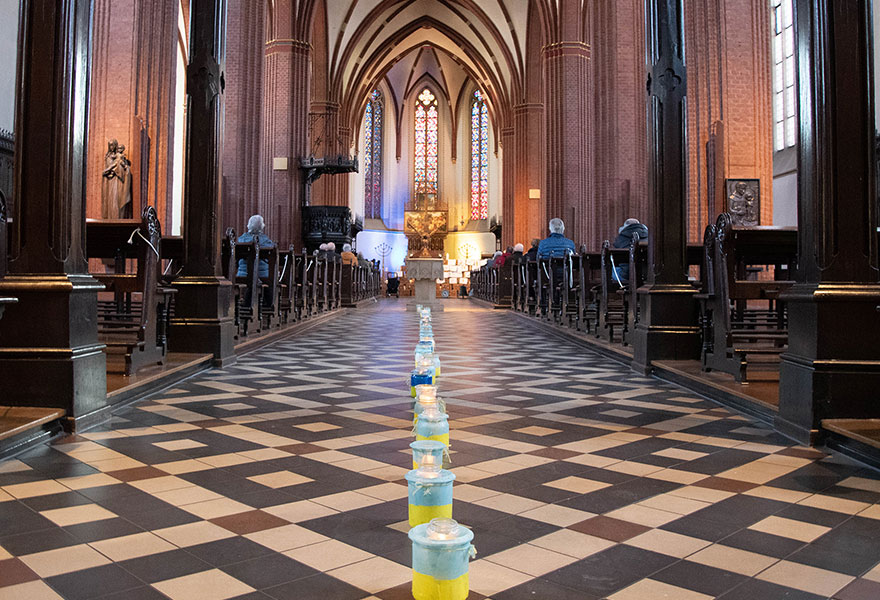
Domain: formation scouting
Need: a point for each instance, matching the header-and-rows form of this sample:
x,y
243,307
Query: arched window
x,y
373,156
479,157
784,76
425,175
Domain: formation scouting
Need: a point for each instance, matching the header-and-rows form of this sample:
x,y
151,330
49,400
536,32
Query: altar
x,y
426,225
425,272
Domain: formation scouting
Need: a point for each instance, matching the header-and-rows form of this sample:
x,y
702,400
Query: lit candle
x,y
429,490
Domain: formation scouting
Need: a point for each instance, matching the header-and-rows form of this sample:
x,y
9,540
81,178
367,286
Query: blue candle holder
x,y
429,492
441,553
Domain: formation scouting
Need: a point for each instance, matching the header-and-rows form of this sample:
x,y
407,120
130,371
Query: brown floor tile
x,y
554,453
137,474
726,485
13,572
302,448
609,528
249,522
803,453
860,589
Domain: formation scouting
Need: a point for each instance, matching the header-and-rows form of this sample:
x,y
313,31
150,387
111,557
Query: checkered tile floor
x,y
282,477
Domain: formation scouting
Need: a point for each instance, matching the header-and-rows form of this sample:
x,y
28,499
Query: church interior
x,y
439,299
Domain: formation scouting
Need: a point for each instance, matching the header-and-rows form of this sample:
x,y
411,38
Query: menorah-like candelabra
x,y
383,250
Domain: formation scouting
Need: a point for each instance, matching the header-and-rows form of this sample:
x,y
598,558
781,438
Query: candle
x,y
422,448
441,550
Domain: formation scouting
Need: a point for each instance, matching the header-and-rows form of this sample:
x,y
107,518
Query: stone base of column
x,y
668,327
832,367
203,318
50,355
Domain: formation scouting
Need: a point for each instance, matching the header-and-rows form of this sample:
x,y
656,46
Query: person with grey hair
x,y
625,236
348,257
556,244
255,233
494,258
519,248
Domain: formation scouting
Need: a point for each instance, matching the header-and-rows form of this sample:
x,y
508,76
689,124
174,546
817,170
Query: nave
x,y
281,476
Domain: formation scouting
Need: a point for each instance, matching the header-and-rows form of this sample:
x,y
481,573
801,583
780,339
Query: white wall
x,y
785,200
8,54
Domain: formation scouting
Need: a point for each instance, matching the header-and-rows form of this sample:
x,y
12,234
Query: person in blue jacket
x,y
255,228
556,244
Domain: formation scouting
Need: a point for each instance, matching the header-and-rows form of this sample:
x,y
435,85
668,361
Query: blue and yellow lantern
x,y
423,448
433,425
430,491
441,553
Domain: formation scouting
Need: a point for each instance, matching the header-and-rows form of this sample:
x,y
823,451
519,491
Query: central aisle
x,y
282,477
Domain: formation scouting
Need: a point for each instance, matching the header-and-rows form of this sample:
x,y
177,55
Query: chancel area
x,y
439,299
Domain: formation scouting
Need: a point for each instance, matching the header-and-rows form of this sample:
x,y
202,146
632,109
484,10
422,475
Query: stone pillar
x,y
49,350
285,125
667,327
203,312
729,105
832,367
244,102
568,93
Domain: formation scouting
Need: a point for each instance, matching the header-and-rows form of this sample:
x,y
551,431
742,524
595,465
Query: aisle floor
x,y
282,477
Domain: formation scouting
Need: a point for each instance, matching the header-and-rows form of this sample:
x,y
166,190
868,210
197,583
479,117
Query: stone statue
x,y
743,204
116,199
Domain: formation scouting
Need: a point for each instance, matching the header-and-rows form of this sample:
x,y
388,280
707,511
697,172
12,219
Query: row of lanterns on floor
x,y
441,548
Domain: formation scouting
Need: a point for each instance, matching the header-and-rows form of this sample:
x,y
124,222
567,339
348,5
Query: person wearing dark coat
x,y
624,239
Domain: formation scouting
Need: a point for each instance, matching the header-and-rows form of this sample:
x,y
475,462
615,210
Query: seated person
x,y
499,262
255,228
348,257
624,239
556,244
518,254
494,258
331,248
532,254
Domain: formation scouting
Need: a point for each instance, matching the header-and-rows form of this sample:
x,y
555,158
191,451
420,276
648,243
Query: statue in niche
x,y
116,199
743,202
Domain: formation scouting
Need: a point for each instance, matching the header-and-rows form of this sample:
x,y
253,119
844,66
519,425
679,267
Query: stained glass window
x,y
479,157
425,175
373,157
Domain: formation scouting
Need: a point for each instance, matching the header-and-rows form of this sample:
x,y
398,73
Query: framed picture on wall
x,y
744,201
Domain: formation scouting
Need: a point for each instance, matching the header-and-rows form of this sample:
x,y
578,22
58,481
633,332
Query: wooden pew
x,y
301,297
4,217
591,291
128,309
249,298
743,318
531,287
614,301
287,286
503,284
269,288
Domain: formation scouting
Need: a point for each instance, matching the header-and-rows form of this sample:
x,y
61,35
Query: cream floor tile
x,y
680,454
92,456
674,504
302,510
872,512
64,560
469,474
873,574
13,466
790,528
280,479
677,476
74,515
488,578
533,560
266,453
116,464
34,488
702,494
841,505
330,456
216,508
591,460
509,503
317,427
806,578
287,537
537,431
328,555
132,546
207,585
648,589
733,559
497,467
472,493
225,460
4,497
561,516
88,481
193,534
187,495
386,473
4,554
643,515
390,491
667,542
775,493
345,501
757,472
160,484
526,460
180,467
862,483
636,469
374,574
32,590
573,543
578,485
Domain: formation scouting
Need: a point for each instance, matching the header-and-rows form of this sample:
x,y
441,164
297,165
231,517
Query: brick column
x,y
285,128
729,105
202,319
244,103
508,187
529,215
49,349
568,142
832,367
667,327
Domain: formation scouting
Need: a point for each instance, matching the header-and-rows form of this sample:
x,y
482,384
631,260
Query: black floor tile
x,y
699,578
755,589
542,589
94,583
165,565
610,570
268,571
316,587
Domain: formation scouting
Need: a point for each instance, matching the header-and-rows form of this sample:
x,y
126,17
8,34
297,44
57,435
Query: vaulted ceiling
x,y
484,40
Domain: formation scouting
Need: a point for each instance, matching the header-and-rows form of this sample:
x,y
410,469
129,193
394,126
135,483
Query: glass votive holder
x,y
424,448
433,425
